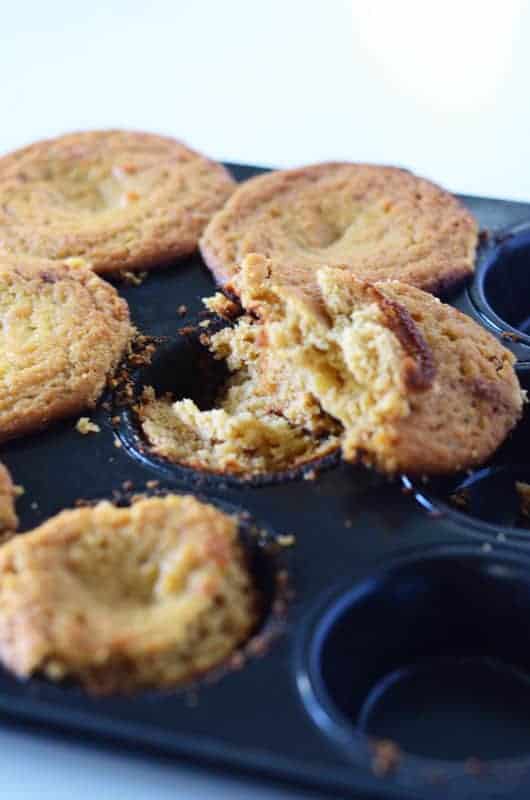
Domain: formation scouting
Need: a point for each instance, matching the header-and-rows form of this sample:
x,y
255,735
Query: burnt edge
x,y
419,369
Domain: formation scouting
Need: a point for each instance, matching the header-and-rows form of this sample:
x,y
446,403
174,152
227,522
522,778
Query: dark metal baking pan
x,y
411,615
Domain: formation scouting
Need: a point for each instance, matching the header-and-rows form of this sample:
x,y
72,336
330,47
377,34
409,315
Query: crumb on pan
x,y
132,278
85,426
286,540
460,499
476,767
386,757
222,305
523,491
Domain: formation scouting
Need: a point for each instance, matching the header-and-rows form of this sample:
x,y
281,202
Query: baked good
x,y
255,427
8,516
377,222
386,371
123,598
112,200
63,332
416,385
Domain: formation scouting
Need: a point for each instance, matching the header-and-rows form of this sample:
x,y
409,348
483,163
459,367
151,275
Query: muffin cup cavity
x,y
500,292
185,368
428,659
489,502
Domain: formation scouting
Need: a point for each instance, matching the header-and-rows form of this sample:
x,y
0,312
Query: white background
x,y
441,88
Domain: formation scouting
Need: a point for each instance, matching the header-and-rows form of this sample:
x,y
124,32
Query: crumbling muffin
x,y
63,332
120,599
416,385
256,426
400,380
112,200
378,223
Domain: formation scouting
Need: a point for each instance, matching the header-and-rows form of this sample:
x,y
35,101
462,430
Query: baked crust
x,y
63,331
125,598
377,222
118,200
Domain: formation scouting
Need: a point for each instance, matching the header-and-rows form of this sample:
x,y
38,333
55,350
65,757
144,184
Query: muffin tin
x,y
403,665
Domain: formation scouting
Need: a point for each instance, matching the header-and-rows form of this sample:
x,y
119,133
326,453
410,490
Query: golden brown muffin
x,y
114,199
124,598
379,223
8,516
63,330
417,386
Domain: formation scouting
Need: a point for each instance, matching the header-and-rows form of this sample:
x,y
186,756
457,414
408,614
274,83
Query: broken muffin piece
x,y
124,598
400,380
417,386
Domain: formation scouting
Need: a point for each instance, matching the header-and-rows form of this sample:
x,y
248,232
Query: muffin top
x,y
114,199
122,598
63,331
378,223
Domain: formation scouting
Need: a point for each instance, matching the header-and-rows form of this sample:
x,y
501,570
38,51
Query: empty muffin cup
x,y
501,289
429,656
492,502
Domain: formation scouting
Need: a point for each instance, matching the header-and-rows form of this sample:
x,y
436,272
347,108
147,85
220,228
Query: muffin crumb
x,y
386,759
85,426
523,490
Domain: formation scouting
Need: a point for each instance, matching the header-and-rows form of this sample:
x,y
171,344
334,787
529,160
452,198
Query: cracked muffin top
x,y
379,223
113,199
